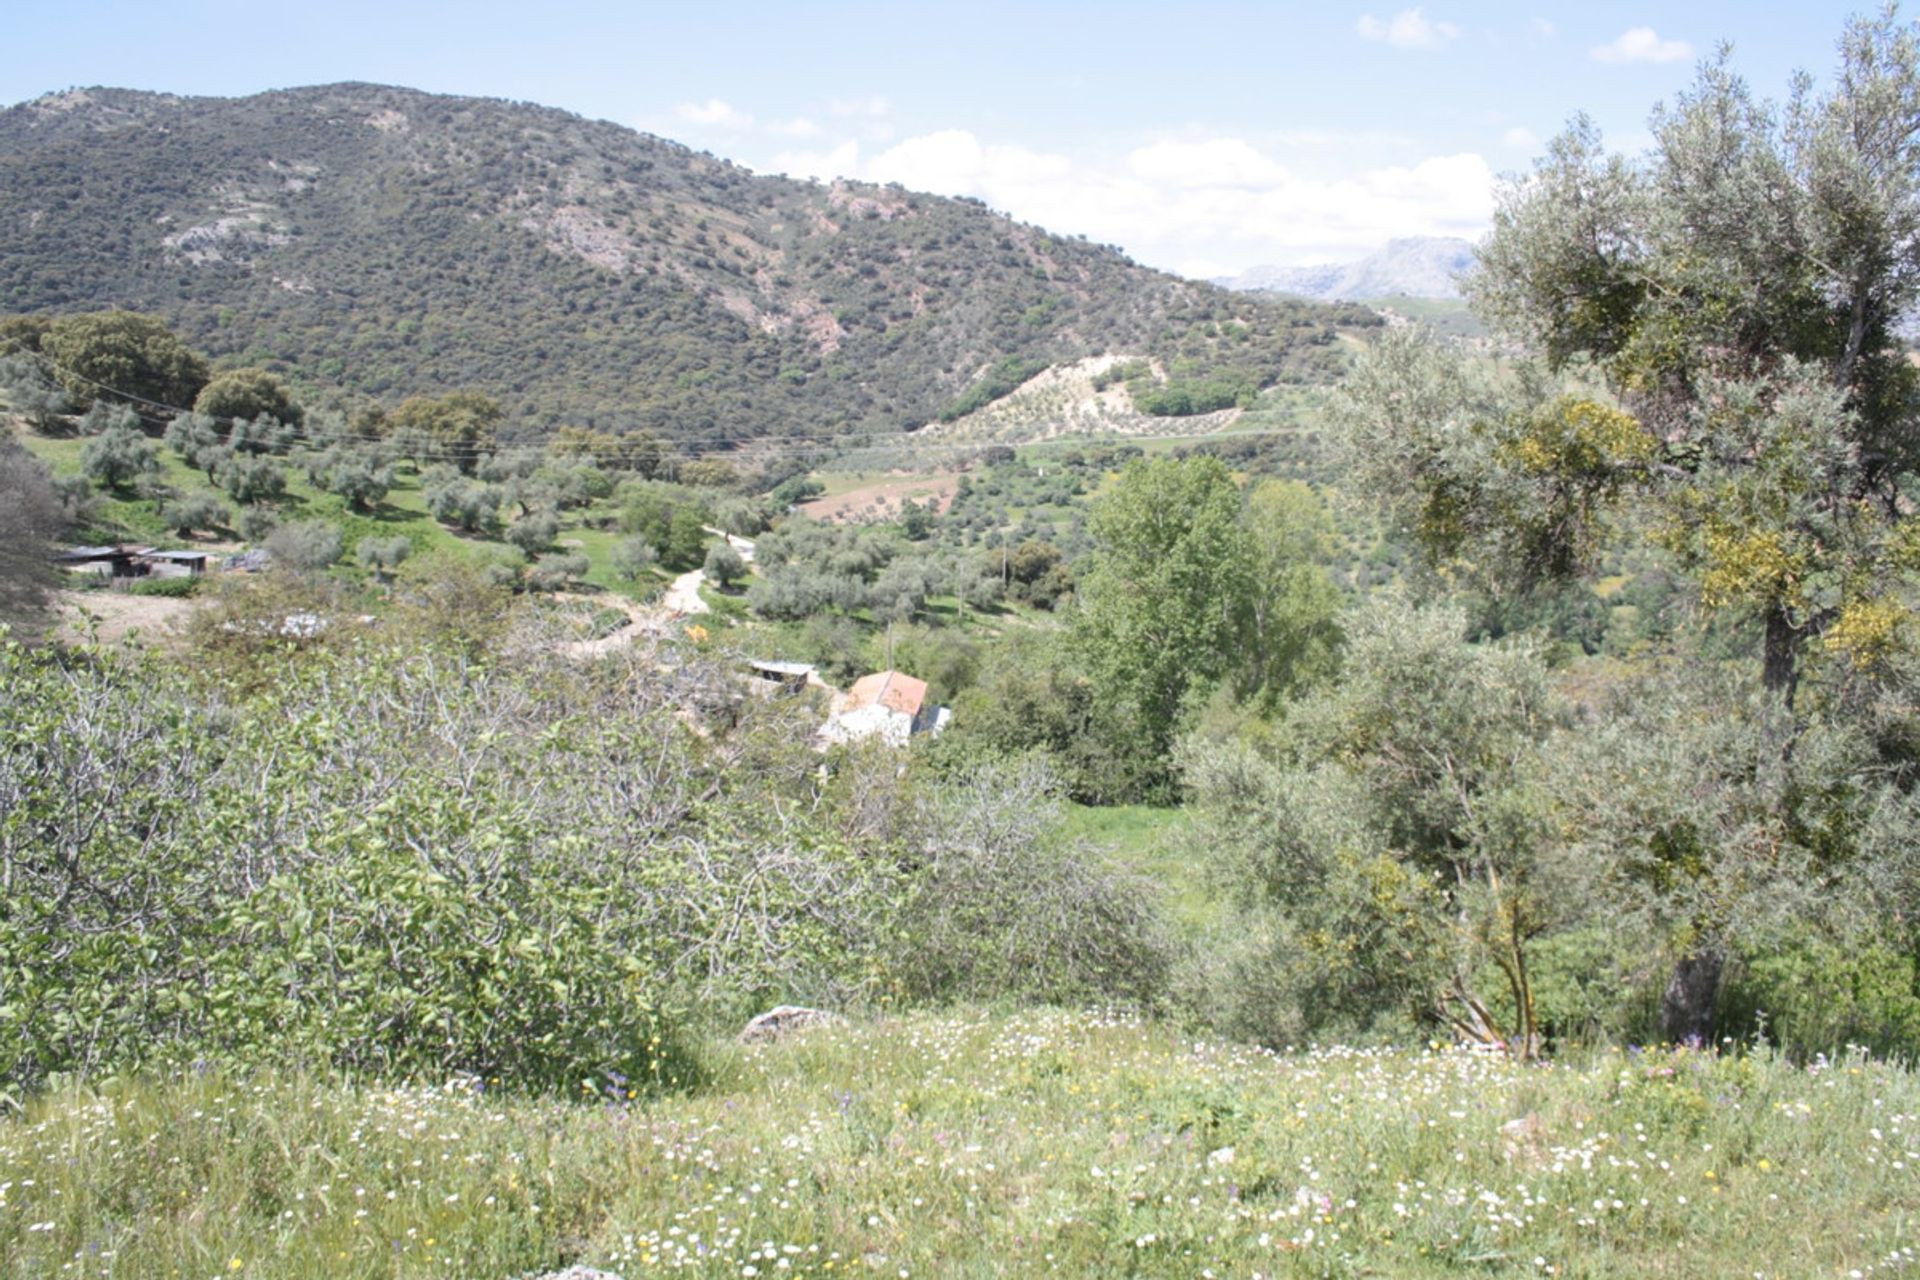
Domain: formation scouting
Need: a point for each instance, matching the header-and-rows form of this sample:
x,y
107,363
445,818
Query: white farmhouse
x,y
887,704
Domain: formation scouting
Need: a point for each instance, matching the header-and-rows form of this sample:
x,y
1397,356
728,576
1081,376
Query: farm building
x,y
122,561
889,705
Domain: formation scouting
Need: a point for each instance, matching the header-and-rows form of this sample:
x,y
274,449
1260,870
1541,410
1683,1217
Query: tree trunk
x,y
1686,1007
1779,670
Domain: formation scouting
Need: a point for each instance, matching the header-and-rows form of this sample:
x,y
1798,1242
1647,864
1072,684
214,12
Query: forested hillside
x,y
391,242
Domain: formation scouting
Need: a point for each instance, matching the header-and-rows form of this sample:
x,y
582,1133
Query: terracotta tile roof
x,y
889,689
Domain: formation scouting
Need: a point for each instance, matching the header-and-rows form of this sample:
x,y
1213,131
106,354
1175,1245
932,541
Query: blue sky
x,y
1202,139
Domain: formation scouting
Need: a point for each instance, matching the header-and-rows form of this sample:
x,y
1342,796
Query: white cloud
x,y
1215,162
1542,29
1642,44
1207,206
1408,29
713,113
798,127
1520,136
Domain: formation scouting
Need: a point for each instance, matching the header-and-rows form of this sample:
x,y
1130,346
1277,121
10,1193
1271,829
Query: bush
x,y
168,588
387,860
534,533
307,546
632,557
555,572
201,511
118,457
1002,907
256,522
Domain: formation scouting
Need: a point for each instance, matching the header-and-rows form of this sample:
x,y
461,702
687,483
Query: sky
x,y
1203,138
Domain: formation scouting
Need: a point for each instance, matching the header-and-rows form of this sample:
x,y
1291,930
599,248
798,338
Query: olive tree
x,y
1713,336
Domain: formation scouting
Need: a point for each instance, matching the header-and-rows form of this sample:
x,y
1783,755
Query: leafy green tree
x,y
359,477
31,392
103,416
256,522
686,540
724,565
260,435
249,479
557,570
247,394
1737,292
189,434
466,504
632,557
306,546
1295,629
1165,610
118,457
534,533
382,556
1397,850
199,511
115,353
460,427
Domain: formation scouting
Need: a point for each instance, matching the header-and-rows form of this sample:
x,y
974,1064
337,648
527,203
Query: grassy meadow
x,y
991,1144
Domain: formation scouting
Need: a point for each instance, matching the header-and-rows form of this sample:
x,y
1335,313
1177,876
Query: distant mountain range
x,y
381,242
1416,267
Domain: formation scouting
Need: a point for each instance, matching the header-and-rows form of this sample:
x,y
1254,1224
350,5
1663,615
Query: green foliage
x,y
250,480
169,588
633,557
458,427
534,533
114,354
383,555
31,391
1398,850
31,517
1002,379
724,565
118,457
306,546
1165,607
248,394
556,571
199,511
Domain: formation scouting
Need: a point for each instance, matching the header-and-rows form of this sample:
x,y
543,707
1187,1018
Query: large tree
x,y
246,394
1713,326
123,355
1712,361
1166,609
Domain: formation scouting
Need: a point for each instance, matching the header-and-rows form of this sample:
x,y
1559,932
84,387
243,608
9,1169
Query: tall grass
x,y
979,1144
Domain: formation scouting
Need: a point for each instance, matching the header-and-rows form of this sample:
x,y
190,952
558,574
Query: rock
x,y
778,1023
1524,1141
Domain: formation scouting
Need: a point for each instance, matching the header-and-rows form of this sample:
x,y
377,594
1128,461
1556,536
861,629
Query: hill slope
x,y
1416,267
388,242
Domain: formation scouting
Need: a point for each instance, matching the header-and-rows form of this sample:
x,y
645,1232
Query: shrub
x,y
305,545
200,511
169,588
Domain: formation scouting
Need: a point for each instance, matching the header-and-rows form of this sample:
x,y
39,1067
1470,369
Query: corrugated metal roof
x,y
782,668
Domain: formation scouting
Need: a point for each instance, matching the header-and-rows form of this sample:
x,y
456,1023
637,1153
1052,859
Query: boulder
x,y
780,1022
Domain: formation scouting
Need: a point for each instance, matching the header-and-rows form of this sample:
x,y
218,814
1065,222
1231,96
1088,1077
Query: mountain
x,y
382,242
1416,267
